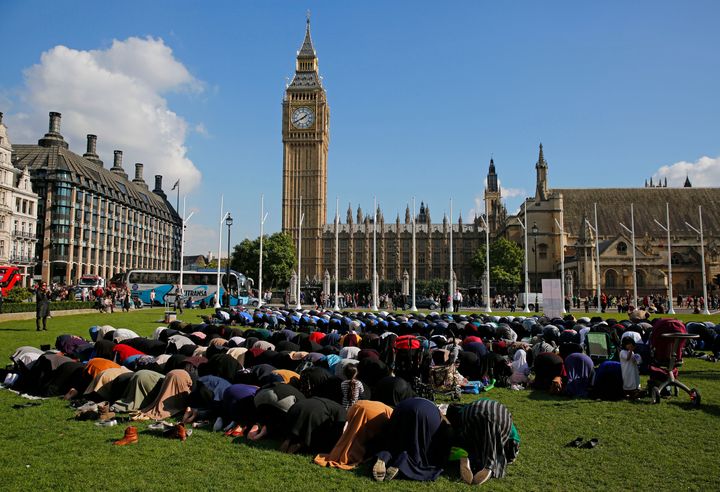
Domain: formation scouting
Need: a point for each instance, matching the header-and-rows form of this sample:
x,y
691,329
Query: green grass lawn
x,y
642,446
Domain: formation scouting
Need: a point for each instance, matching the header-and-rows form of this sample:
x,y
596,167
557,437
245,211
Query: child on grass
x,y
629,365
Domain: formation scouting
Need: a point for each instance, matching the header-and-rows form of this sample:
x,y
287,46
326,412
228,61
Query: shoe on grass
x,y
465,472
378,470
106,423
482,476
391,473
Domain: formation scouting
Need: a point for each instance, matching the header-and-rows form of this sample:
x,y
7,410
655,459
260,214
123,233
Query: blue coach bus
x,y
197,285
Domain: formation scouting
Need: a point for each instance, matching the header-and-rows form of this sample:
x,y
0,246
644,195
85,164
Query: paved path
x,y
55,314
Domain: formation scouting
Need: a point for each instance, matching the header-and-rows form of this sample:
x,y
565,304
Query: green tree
x,y
279,259
506,260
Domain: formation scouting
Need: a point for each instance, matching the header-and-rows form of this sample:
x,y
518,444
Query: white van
x,y
530,299
92,282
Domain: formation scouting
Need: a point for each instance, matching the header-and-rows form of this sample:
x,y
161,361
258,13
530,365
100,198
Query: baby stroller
x,y
409,358
668,339
443,376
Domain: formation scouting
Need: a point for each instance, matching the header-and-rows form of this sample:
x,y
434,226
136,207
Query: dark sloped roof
x,y
307,50
649,203
90,176
305,80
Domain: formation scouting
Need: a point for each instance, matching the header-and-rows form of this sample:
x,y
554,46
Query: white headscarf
x,y
519,363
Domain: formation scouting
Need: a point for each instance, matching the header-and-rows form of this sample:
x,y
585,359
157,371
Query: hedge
x,y
28,307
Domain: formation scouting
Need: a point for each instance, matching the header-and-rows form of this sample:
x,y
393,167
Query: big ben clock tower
x,y
305,125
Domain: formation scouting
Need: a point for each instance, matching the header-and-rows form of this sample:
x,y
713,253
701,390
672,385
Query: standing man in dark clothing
x,y
42,306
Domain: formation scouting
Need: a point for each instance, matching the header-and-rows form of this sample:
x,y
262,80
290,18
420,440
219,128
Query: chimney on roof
x,y
158,186
53,136
139,174
91,152
54,122
117,164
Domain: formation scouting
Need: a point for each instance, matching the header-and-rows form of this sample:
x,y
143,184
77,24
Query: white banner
x,y
552,297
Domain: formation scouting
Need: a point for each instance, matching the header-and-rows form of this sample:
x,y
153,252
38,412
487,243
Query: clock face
x,y
302,117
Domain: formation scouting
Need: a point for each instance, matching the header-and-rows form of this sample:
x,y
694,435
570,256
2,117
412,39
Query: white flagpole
x,y
375,275
182,247
298,306
263,216
597,252
702,262
527,276
337,253
486,287
666,228
632,228
413,307
451,293
562,258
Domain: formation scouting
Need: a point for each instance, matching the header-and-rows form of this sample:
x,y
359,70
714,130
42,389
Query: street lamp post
x,y
535,234
228,223
669,254
702,257
223,216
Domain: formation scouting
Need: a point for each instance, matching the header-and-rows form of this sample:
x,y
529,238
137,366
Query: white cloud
x,y
117,94
201,130
510,197
703,172
201,239
512,192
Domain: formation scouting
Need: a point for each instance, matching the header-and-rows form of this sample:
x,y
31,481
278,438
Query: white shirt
x,y
630,371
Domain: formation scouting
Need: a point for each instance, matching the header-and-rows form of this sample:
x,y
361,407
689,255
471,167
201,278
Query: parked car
x,y
422,303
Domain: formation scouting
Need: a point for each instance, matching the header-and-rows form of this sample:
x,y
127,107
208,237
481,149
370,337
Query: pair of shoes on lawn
x,y
473,479
383,473
578,443
178,432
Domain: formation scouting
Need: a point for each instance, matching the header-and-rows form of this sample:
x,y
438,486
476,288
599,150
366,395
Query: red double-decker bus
x,y
9,276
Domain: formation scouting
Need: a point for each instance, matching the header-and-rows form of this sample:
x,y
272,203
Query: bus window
x,y
173,278
233,284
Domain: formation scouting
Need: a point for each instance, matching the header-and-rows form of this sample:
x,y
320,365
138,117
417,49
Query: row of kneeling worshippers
x,y
504,352
301,376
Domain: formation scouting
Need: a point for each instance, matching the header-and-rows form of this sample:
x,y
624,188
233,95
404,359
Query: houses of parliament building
x,y
561,217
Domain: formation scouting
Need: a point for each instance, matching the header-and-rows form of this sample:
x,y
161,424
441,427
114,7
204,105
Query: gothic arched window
x,y
542,251
611,278
622,248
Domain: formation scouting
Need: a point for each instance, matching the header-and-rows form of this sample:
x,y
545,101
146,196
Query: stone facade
x,y
18,212
305,135
95,220
305,132
573,211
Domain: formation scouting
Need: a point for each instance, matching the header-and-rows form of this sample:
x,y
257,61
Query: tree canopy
x,y
506,261
279,259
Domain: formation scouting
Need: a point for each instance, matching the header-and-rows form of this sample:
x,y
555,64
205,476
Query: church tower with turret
x,y
305,136
495,211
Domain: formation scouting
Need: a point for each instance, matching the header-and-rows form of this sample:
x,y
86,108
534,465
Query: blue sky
x,y
421,95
